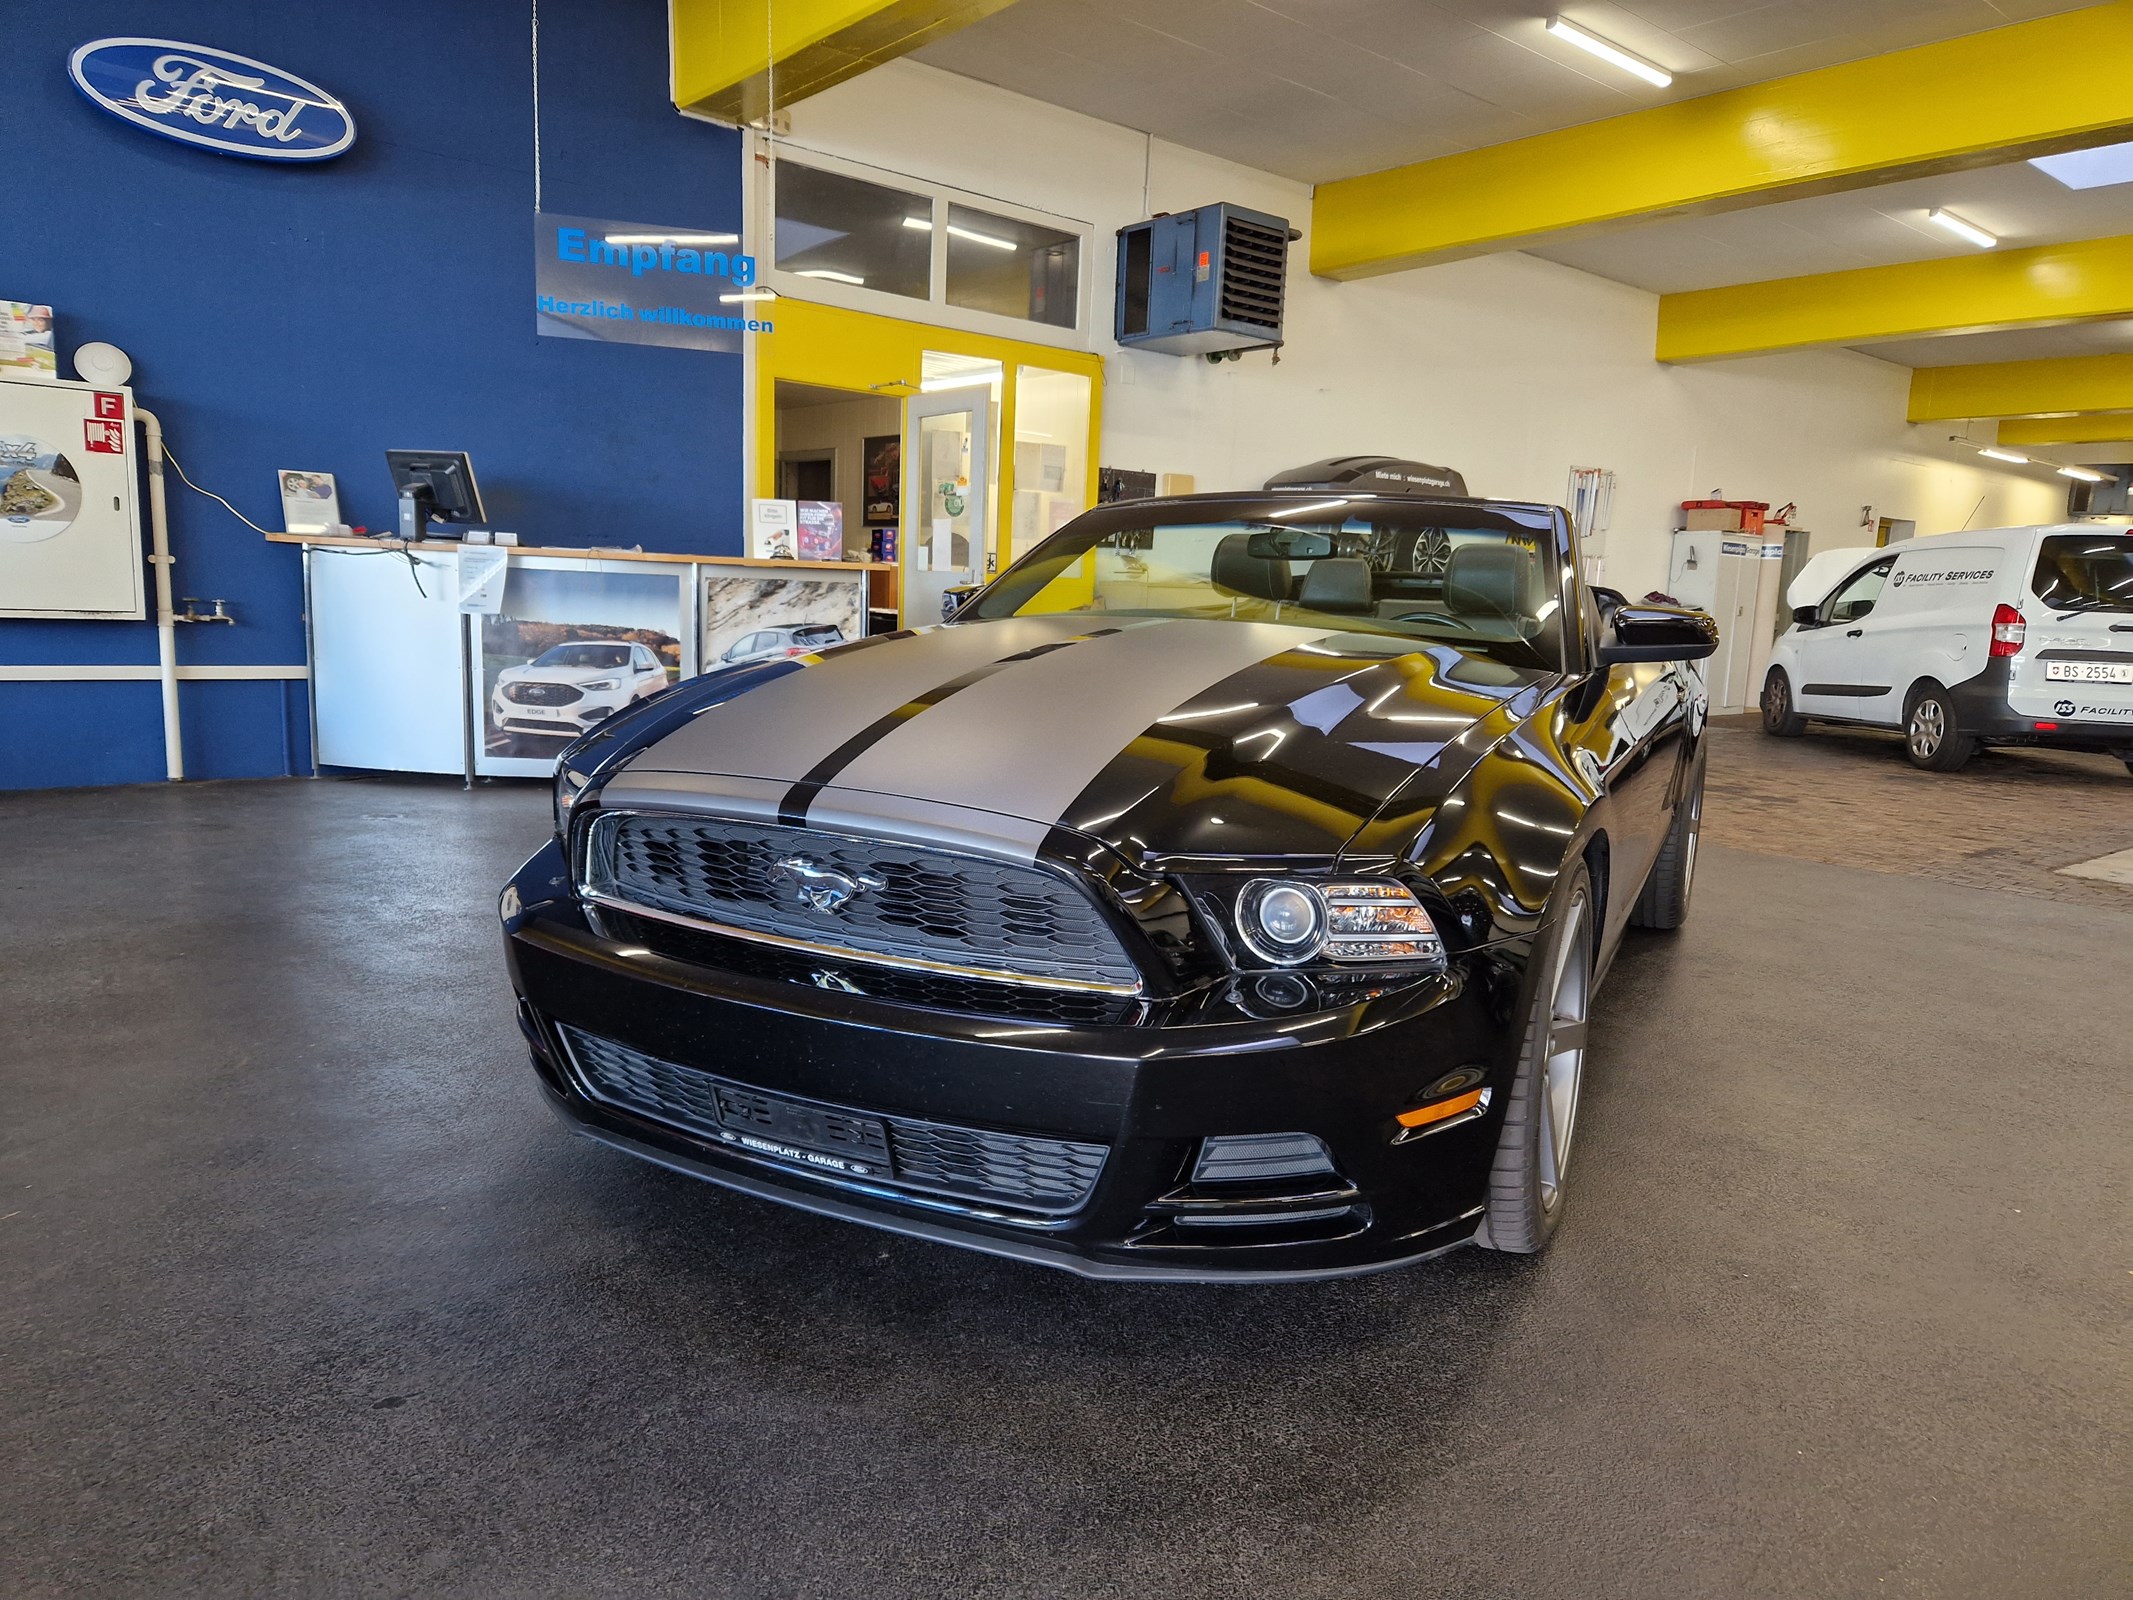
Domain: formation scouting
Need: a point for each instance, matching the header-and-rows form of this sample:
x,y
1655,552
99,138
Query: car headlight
x,y
568,786
601,685
1291,921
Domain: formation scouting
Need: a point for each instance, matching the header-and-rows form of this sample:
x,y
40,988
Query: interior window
x,y
1857,597
850,231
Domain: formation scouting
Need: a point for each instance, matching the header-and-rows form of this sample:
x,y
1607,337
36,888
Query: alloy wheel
x,y
1929,725
1563,1069
1774,698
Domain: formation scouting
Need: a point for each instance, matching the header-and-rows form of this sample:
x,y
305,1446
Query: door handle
x,y
1853,633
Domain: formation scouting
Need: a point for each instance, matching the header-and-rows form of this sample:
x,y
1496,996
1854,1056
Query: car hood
x,y
1163,738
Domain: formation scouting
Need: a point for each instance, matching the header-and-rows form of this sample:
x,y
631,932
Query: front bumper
x,y
1148,1094
576,718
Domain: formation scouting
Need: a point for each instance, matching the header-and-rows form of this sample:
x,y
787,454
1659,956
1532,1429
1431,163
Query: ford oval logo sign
x,y
196,95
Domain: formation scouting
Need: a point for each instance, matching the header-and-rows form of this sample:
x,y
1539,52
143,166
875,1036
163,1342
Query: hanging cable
x,y
196,489
414,567
536,107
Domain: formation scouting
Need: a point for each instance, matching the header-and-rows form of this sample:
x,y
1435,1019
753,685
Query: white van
x,y
2008,636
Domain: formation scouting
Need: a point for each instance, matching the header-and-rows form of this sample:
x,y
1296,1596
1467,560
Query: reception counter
x,y
475,659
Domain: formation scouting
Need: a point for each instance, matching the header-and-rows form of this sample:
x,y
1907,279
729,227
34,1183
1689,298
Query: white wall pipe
x,y
159,557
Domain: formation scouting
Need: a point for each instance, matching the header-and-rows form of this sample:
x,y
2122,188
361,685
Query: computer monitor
x,y
434,485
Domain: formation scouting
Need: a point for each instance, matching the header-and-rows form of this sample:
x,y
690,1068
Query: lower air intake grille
x,y
1052,1176
871,898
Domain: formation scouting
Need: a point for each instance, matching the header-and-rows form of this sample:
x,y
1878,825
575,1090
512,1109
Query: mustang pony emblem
x,y
820,889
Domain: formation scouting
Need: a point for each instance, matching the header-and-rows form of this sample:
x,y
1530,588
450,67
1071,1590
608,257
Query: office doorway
x,y
920,431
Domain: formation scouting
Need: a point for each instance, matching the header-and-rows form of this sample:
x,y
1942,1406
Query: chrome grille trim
x,y
1050,1177
1099,965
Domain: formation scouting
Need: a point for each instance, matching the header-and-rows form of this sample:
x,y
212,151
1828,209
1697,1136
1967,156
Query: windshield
x,y
2085,572
818,633
1487,579
586,655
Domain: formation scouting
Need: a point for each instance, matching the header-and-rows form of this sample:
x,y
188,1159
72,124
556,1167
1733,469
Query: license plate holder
x,y
823,1138
2089,671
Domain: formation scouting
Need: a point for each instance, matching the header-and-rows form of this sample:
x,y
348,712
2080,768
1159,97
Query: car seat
x,y
1337,584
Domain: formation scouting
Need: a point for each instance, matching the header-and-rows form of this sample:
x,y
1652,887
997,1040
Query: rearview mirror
x,y
1806,616
1658,633
1289,544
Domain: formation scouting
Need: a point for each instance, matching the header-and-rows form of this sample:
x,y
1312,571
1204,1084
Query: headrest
x,y
1490,580
1337,583
1236,568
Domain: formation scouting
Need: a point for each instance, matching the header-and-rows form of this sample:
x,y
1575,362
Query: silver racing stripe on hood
x,y
1026,740
784,729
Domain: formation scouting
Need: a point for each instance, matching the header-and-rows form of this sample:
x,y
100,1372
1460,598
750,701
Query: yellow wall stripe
x,y
2103,427
1958,294
724,50
2022,388
2026,89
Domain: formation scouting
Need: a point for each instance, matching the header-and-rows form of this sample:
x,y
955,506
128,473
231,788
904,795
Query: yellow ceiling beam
x,y
2032,88
2105,427
2035,287
2022,388
731,59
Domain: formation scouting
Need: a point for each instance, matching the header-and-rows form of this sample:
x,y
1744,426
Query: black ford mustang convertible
x,y
1221,894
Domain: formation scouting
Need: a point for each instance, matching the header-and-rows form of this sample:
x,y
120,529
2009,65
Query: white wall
x,y
1509,368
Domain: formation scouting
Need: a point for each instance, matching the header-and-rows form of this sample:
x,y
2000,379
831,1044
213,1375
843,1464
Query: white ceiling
x,y
1872,228
2110,338
1320,89
1860,228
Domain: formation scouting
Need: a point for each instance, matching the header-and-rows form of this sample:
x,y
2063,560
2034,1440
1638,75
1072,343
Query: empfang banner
x,y
641,283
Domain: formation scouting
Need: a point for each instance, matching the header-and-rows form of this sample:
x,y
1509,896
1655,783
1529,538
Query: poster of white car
x,y
569,687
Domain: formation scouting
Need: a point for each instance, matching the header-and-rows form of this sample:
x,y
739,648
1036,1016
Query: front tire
x,y
1665,900
1525,1202
1933,741
1778,716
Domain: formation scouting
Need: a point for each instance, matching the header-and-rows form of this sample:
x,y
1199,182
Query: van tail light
x,y
2008,631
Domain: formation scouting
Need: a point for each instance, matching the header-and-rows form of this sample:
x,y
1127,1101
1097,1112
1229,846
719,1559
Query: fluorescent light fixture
x,y
982,238
833,277
2089,169
2004,455
936,385
1968,231
673,238
925,225
752,294
1613,54
2082,473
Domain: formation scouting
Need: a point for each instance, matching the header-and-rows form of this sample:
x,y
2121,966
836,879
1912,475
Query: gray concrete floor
x,y
302,1292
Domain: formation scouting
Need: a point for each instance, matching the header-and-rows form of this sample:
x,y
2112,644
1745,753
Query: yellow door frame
x,y
859,351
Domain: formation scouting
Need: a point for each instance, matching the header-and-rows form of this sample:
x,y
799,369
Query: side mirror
x,y
1807,616
1658,633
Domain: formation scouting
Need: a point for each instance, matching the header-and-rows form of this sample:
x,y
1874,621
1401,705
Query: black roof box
x,y
1372,475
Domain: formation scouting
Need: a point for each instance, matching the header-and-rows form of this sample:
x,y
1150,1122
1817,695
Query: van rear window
x,y
2085,572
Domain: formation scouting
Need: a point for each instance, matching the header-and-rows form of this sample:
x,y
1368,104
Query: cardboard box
x,y
1723,516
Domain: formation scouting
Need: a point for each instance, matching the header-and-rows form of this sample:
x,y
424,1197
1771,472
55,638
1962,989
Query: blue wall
x,y
315,315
